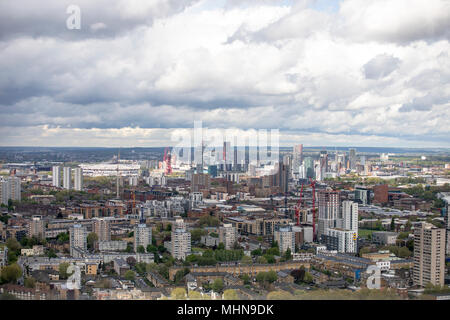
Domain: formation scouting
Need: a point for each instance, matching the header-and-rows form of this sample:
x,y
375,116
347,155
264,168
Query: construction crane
x,y
313,186
168,161
297,209
117,177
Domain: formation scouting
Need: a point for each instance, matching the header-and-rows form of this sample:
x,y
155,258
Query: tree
x,y
51,253
246,260
308,277
179,275
63,270
30,282
131,261
404,252
274,244
257,252
261,260
13,245
269,258
217,285
129,248
287,254
197,233
130,275
63,237
140,249
230,294
151,248
141,267
298,274
266,278
273,251
245,278
178,294
208,221
364,250
221,246
91,239
11,273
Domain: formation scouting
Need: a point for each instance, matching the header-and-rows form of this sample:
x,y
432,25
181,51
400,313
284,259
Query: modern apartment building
x,y
227,235
342,240
349,217
285,237
10,188
78,179
101,226
200,181
36,227
429,255
78,238
329,211
56,176
142,236
67,178
181,241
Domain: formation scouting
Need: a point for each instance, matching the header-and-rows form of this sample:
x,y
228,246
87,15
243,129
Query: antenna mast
x,y
117,176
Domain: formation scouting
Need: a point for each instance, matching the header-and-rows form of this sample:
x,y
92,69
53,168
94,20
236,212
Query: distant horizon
x,y
328,148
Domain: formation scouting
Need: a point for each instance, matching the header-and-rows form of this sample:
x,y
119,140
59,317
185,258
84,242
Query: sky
x,y
322,72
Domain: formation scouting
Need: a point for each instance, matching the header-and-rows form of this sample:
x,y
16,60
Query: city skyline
x,y
336,73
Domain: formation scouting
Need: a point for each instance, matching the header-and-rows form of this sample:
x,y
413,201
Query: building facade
x,y
329,209
10,189
78,179
286,238
429,255
67,178
181,241
227,235
102,228
56,176
78,238
142,236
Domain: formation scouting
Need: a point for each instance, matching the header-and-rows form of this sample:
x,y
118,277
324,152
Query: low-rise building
x,y
112,245
37,250
384,237
121,266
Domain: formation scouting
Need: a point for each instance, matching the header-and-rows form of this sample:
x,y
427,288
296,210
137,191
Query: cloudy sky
x,y
323,72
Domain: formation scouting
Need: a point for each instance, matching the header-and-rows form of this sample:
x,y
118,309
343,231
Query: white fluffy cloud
x,y
372,72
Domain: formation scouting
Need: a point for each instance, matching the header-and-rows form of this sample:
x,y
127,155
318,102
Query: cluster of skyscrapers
x,y
67,178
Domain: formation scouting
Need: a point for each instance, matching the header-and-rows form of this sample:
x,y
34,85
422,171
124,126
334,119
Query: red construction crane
x,y
168,161
313,186
299,204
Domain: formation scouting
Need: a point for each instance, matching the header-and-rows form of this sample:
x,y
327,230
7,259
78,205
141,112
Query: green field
x,y
365,232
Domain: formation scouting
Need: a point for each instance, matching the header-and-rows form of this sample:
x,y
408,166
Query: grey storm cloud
x,y
287,68
426,102
381,66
